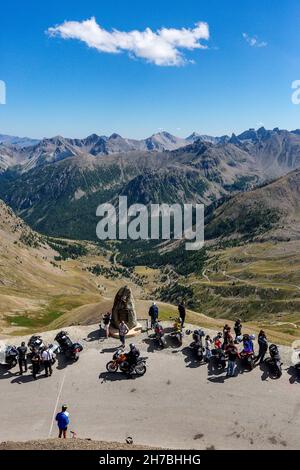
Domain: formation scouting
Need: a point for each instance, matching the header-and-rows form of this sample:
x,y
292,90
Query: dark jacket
x,y
153,311
133,355
22,350
238,328
262,343
181,310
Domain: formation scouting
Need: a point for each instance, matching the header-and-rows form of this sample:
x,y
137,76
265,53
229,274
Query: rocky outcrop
x,y
124,309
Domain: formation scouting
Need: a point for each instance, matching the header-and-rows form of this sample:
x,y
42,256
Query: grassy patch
x,y
43,319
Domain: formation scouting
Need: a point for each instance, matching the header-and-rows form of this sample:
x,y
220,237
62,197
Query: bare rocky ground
x,y
70,444
177,404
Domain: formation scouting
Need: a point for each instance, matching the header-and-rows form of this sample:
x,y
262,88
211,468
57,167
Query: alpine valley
x,y
249,183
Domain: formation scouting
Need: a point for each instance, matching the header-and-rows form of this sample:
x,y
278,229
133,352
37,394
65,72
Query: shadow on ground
x,y
115,376
96,335
294,375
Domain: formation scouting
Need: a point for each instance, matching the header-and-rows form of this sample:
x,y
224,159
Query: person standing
x,y
153,313
47,357
227,336
208,344
238,328
123,330
232,352
217,341
106,321
22,351
35,360
182,312
263,346
63,421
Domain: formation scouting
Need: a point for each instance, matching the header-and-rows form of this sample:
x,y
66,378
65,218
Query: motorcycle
x,y
67,347
218,358
36,343
119,361
247,359
296,359
177,333
247,355
274,361
197,345
159,335
9,356
297,367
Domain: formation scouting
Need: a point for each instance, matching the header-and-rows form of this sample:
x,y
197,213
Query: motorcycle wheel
x,y
278,373
111,366
140,369
13,363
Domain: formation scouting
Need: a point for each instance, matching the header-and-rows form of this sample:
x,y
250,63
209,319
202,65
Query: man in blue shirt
x,y
62,419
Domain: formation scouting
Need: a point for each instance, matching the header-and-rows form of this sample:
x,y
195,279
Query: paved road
x,y
177,404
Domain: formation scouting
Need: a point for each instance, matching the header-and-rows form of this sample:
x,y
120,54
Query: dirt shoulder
x,y
70,444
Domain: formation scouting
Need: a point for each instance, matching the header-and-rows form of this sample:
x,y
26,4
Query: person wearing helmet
x,y
153,313
248,344
133,355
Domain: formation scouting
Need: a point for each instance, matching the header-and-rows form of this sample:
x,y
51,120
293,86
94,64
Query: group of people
x,y
153,314
226,343
38,358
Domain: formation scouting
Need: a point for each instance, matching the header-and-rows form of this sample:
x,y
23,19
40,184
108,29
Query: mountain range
x,y
249,183
57,184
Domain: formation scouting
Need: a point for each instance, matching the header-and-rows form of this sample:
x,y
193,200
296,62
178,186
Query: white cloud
x,y
253,41
161,47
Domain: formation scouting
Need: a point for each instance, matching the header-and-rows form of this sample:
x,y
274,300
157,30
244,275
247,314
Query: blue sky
x,y
63,86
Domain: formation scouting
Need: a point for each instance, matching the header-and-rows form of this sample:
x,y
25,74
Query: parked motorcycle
x,y
297,367
177,333
119,361
36,343
296,358
247,355
67,347
159,335
274,361
197,344
218,358
8,356
247,359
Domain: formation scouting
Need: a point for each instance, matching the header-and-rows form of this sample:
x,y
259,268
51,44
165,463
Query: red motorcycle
x,y
120,361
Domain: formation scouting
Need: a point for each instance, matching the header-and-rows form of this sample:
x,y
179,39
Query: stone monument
x,y
124,309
